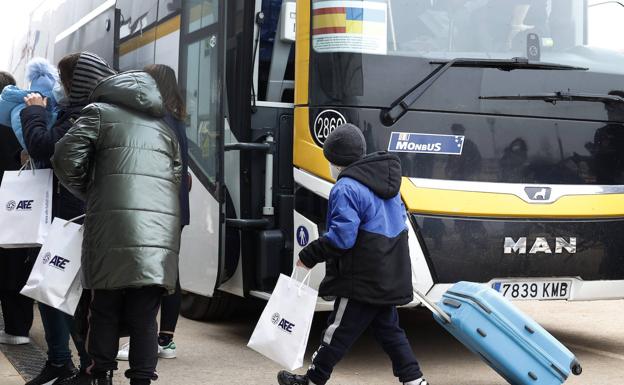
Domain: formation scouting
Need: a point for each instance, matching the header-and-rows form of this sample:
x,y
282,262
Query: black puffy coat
x,y
40,143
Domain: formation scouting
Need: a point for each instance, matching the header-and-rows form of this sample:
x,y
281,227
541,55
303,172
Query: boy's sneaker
x,y
51,374
79,378
420,381
124,353
9,339
286,378
168,351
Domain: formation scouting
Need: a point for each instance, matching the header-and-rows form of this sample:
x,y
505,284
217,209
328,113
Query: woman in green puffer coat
x,y
122,158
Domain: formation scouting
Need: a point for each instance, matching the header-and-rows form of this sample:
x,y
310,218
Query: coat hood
x,y
135,90
380,171
89,71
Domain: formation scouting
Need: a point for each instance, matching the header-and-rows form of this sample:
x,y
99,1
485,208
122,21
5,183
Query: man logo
x,y
538,193
275,319
46,258
541,245
10,206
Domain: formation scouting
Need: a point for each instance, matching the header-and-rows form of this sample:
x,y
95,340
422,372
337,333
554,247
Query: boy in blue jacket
x,y
368,268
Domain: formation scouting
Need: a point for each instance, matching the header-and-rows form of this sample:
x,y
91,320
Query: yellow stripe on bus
x,y
302,53
150,35
306,154
495,205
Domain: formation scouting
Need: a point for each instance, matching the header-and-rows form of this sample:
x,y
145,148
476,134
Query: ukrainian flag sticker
x,y
350,26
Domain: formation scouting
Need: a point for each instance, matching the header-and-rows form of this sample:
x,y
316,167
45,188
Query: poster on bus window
x,y
350,26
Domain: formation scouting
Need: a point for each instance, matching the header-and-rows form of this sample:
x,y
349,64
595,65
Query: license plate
x,y
519,290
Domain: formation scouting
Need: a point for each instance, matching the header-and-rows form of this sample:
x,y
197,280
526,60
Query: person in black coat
x,y
15,266
79,74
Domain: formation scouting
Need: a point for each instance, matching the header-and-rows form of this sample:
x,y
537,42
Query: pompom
x,y
38,67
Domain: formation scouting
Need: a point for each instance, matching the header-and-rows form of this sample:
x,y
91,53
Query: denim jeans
x,y
58,327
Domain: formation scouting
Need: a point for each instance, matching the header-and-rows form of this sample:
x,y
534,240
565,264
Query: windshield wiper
x,y
565,96
400,106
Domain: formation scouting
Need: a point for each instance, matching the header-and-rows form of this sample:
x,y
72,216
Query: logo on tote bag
x,y
21,206
282,323
57,261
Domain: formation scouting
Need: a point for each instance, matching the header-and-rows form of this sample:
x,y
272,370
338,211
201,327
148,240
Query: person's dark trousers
x,y
79,329
58,327
135,309
17,312
170,310
347,323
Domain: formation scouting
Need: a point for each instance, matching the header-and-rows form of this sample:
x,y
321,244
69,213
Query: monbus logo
x,y
540,245
19,206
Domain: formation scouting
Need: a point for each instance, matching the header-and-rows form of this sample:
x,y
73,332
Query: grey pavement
x,y
216,353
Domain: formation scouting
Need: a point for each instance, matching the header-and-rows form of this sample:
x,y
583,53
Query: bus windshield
x,y
568,32
368,53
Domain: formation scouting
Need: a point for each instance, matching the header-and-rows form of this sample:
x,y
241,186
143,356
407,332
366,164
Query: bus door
x,y
201,79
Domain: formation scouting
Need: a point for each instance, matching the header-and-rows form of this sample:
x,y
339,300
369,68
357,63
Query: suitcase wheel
x,y
576,368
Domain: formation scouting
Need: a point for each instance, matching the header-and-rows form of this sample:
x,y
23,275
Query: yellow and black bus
x,y
508,117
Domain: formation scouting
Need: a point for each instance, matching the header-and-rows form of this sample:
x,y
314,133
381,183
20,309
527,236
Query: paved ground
x,y
211,354
8,374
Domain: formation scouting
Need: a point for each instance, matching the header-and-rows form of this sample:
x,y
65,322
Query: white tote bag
x,y
25,208
284,326
55,278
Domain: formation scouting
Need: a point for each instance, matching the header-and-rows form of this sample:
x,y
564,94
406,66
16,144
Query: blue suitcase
x,y
514,345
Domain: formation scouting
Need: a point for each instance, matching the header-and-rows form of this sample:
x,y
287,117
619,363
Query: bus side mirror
x,y
288,21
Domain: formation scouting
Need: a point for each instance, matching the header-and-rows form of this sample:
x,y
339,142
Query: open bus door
x,y
201,80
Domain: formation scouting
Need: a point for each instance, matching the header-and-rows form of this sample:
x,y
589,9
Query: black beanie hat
x,y
344,145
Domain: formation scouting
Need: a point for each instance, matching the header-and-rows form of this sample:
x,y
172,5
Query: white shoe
x,y
124,352
9,339
420,381
168,351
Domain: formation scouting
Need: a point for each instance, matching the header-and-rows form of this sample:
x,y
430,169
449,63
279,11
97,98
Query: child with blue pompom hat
x,y
43,78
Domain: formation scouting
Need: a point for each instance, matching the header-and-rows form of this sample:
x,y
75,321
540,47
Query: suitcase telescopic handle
x,y
435,309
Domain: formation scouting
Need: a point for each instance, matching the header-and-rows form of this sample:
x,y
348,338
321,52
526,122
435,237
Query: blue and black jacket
x,y
366,245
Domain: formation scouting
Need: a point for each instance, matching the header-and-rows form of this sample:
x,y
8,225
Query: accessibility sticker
x,y
426,143
303,237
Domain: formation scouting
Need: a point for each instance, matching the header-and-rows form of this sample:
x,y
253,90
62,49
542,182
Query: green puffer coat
x,y
124,161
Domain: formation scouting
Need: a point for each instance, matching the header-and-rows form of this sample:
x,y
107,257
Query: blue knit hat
x,y
41,75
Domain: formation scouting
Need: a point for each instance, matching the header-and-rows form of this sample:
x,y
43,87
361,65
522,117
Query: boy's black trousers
x,y
347,323
110,312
